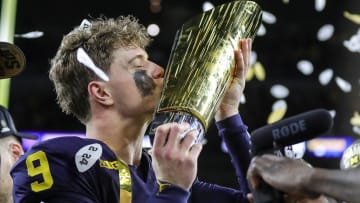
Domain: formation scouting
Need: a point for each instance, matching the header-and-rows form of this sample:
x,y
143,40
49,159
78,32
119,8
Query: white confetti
x,y
30,35
356,129
325,76
253,57
279,91
207,6
261,31
332,113
353,44
343,84
242,99
325,32
305,67
280,104
268,17
320,5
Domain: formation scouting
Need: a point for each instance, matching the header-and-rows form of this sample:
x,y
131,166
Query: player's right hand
x,y
175,155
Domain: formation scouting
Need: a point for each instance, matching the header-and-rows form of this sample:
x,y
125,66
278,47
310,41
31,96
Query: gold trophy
x,y
201,64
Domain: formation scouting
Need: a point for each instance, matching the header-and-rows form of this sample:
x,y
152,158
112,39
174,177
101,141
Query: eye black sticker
x,y
144,83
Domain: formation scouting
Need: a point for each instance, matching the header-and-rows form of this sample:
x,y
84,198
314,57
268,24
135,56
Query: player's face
x,y
135,81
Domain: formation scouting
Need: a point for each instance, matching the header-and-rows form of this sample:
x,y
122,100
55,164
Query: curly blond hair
x,y
99,40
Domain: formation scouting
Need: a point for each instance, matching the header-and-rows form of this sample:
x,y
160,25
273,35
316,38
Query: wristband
x,y
163,185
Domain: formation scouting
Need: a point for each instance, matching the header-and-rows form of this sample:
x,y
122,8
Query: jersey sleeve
x,y
237,140
212,193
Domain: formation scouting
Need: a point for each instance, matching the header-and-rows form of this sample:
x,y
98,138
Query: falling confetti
x,y
253,57
353,44
250,73
356,130
343,84
326,76
332,113
30,35
325,32
355,120
259,71
279,91
261,31
320,5
256,70
242,99
279,109
268,17
305,67
352,17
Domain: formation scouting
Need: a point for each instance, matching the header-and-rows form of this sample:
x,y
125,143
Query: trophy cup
x,y
201,64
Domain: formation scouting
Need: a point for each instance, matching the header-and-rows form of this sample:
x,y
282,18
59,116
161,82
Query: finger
x,y
255,171
254,181
239,63
189,139
245,48
272,158
161,135
195,150
175,134
249,40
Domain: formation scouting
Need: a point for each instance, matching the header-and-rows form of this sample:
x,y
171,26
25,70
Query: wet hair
x,y
99,40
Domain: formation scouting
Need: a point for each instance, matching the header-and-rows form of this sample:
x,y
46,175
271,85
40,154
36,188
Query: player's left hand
x,y
230,103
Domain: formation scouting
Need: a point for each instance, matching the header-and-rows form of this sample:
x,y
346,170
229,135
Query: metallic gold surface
x,y
201,64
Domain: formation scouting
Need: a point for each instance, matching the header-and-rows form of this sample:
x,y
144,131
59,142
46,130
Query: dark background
x,y
290,39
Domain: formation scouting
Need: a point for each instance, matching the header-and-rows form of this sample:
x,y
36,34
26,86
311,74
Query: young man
x,y
10,151
110,165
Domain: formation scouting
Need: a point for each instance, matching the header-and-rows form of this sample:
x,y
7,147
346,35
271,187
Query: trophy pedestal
x,y
177,117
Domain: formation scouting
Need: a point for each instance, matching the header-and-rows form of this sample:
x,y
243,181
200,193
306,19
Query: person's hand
x,y
291,176
230,103
175,155
295,199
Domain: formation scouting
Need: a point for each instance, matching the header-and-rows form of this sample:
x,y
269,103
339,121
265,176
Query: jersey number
x,y
37,164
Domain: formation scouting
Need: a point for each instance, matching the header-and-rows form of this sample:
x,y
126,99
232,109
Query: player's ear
x,y
99,92
15,150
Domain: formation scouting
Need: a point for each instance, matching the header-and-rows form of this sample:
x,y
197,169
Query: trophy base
x,y
177,117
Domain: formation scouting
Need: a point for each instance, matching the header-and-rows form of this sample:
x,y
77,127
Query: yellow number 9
x,y
37,164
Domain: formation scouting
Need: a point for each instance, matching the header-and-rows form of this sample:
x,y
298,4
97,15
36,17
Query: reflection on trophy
x,y
201,64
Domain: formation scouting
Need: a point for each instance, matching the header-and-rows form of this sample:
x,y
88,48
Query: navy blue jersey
x,y
73,169
66,169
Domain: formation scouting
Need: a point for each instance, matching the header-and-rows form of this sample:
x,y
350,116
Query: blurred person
x,y
10,151
300,181
109,165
